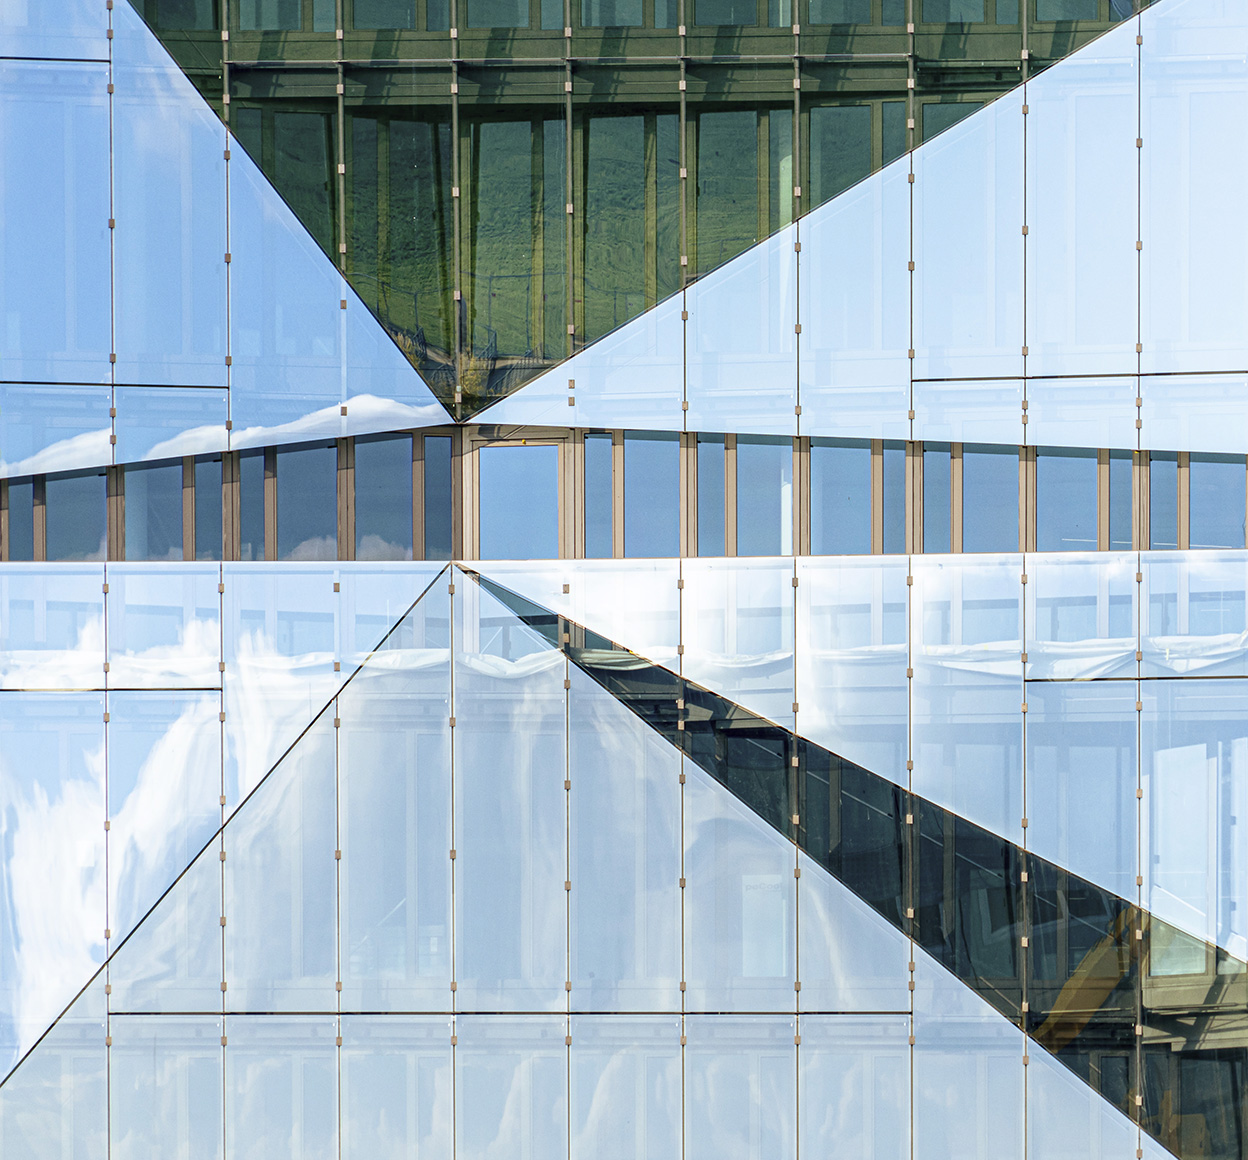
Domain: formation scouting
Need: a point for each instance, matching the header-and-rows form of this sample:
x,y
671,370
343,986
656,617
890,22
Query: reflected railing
x,y
1150,1017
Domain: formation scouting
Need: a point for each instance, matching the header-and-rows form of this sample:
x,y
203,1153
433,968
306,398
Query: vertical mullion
x,y
730,495
188,507
955,497
617,494
270,503
1103,500
877,496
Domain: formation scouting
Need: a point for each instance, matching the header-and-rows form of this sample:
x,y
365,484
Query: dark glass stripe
x,y
1082,971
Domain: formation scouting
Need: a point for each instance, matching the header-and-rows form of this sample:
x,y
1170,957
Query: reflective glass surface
x,y
52,626
438,526
599,498
154,512
711,497
48,428
519,503
307,503
764,496
163,422
1066,511
1163,500
953,410
1192,614
937,498
989,499
1217,491
383,499
651,494
76,518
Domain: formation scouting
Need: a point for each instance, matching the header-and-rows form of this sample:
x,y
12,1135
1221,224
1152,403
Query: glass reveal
x,y
519,506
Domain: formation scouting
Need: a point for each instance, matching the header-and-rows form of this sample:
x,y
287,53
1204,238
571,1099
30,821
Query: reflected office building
x,y
623,580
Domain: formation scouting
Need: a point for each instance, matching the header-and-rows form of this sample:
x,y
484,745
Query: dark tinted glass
x,y
154,512
76,514
385,13
208,533
21,544
251,505
437,497
189,15
383,499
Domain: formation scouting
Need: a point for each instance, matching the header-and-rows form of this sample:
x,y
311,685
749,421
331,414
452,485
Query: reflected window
x,y
208,526
894,498
615,202
893,130
611,13
599,496
251,505
651,494
953,11
21,545
989,498
307,503
77,516
840,147
937,498
270,15
711,495
188,15
385,14
1047,10
1163,499
1007,11
1065,500
1217,484
498,13
438,493
383,498
519,490
742,12
154,512
727,169
764,495
840,497
939,117
1121,501
840,11
893,12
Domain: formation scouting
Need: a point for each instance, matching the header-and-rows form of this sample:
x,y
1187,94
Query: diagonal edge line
x,y
219,830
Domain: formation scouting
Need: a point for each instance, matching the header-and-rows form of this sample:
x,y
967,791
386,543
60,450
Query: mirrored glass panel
x,y
73,31
1083,412
1194,412
1192,614
955,411
48,428
519,505
161,422
52,626
438,490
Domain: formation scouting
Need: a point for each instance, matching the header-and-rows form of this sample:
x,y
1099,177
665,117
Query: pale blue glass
x,y
893,497
1081,616
164,626
1066,1116
966,628
76,516
394,819
1193,92
740,904
651,494
53,859
396,1087
599,497
741,1088
624,857
75,30
56,1104
852,659
1217,493
55,308
154,511
511,1087
1194,774
953,411
209,527
165,1084
741,372
519,501
1163,499
1082,412
510,833
633,377
1121,500
169,201
51,428
853,1082
968,247
281,1088
164,786
251,506
937,497
624,1088
19,542
383,499
764,496
1200,412
1082,264
1081,779
1066,500
1193,616
374,610
737,629
281,884
52,626
164,422
439,486
989,499
711,498
840,497
307,502
855,369
848,960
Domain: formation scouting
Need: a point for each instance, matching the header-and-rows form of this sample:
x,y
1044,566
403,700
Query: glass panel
x,y
937,498
251,505
737,629
624,857
511,1085
280,884
52,626
395,818
1079,412
726,194
438,525
154,512
711,502
164,422
191,15
840,135
599,496
968,242
53,858
76,517
1194,412
510,763
967,731
384,14
169,191
208,516
742,12
1082,267
740,911
764,496
164,626
1068,1117
740,1088
982,409
1066,515
50,428
165,1084
396,1087
651,494
625,1088
1163,499
281,1089
383,499
1217,501
1081,779
498,14
989,499
840,497
74,30
615,201
742,355
851,666
854,1087
270,15
519,506
56,237
307,503
375,609
893,500
1121,501
21,532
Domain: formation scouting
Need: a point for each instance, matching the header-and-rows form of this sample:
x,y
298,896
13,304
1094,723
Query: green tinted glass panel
x,y
840,11
385,13
615,206
1067,9
188,15
270,15
727,191
840,149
